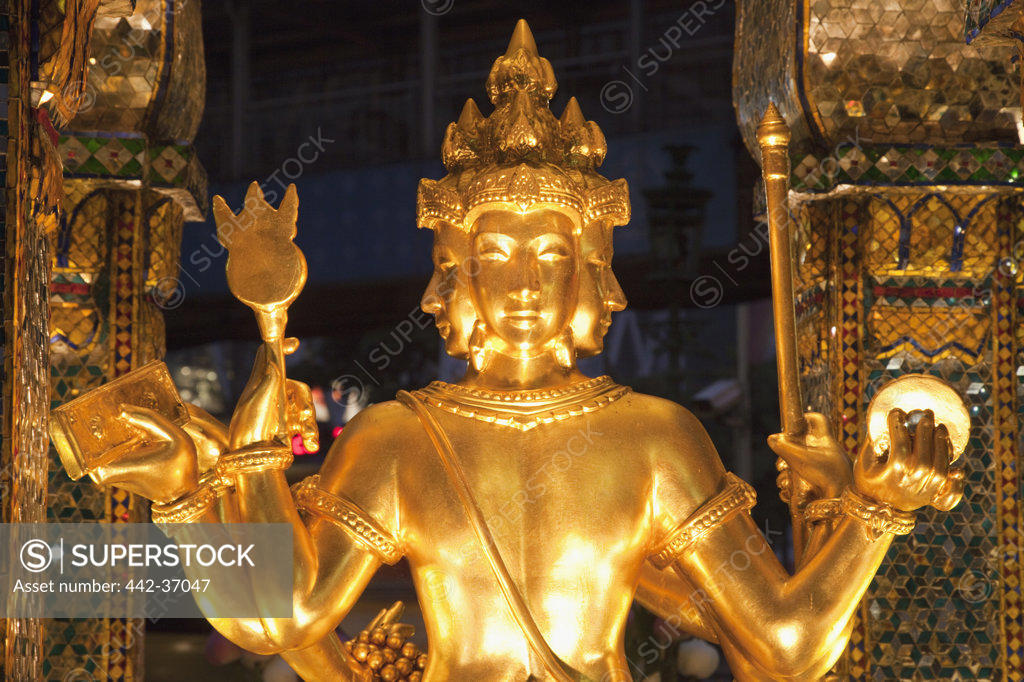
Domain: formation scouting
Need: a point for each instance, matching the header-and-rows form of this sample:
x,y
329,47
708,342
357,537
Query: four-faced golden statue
x,y
532,503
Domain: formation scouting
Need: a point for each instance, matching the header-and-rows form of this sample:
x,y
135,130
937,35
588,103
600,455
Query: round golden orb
x,y
915,392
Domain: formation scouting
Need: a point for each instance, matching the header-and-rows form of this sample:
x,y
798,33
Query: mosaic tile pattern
x,y
765,68
64,28
172,169
1009,458
849,380
31,201
128,241
149,76
931,233
813,303
843,70
94,258
946,601
909,166
23,637
128,189
99,334
991,21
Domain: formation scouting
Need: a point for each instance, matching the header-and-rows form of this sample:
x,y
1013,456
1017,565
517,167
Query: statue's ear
x,y
565,350
478,351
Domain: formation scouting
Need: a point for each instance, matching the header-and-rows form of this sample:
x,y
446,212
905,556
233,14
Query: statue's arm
x,y
332,563
668,595
784,626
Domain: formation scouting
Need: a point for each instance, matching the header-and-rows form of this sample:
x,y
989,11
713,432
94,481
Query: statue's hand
x,y
273,408
162,468
209,436
301,414
915,471
815,457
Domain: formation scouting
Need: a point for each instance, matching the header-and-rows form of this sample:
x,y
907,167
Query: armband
x,y
345,513
827,509
738,496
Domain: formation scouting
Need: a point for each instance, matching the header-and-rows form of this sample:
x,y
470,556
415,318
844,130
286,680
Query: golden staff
x,y
773,137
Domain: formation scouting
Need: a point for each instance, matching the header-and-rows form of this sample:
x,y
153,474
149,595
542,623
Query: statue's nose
x,y
525,294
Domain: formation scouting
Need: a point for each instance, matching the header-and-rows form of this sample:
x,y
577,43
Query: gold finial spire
x,y
521,70
572,115
470,116
772,131
522,39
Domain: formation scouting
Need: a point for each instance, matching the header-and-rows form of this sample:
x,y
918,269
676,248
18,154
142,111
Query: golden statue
x,y
532,503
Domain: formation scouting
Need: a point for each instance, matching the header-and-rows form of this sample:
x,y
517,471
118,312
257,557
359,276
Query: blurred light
x,y
323,413
183,645
1019,122
45,97
828,57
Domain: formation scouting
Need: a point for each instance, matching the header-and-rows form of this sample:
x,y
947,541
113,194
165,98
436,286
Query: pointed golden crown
x,y
521,156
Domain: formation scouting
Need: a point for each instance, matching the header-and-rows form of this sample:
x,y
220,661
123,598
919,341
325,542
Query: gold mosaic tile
x,y
870,71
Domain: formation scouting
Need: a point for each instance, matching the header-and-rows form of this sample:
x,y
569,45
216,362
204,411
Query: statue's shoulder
x,y
381,426
372,442
667,428
386,420
659,413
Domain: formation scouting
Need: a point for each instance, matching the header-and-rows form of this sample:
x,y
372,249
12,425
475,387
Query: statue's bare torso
x,y
574,506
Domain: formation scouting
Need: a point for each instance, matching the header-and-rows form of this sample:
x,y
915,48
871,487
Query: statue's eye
x,y
553,253
494,253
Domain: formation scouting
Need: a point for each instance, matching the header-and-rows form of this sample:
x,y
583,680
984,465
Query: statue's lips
x,y
523,319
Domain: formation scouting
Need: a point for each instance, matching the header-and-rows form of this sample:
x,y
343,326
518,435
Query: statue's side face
x,y
600,294
447,296
524,284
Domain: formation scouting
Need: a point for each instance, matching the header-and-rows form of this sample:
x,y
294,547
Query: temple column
x,y
906,192
130,181
45,58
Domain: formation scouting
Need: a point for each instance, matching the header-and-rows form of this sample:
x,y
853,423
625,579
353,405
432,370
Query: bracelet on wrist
x,y
186,508
878,518
213,478
827,509
252,459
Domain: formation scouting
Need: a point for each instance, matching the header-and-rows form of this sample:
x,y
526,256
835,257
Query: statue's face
x,y
524,281
600,294
447,296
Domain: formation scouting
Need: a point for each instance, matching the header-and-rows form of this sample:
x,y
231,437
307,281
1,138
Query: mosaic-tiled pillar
x,y
43,65
131,180
907,199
